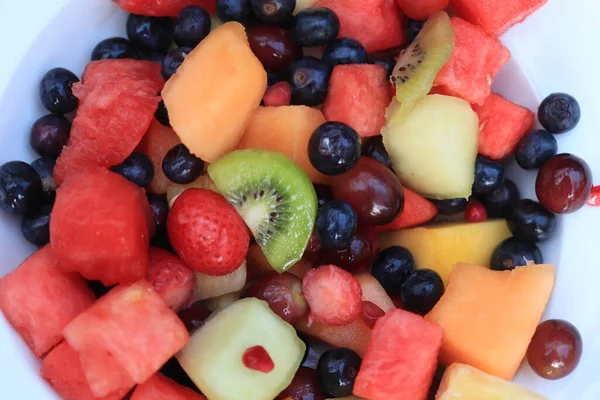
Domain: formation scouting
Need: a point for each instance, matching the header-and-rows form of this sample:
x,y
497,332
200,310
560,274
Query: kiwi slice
x,y
420,63
274,197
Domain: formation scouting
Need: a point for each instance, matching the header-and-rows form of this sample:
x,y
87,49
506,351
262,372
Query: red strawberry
x,y
207,232
333,294
279,94
174,281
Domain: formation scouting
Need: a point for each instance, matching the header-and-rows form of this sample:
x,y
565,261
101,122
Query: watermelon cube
x,y
417,210
62,369
401,359
421,9
358,96
117,100
377,24
159,387
39,300
496,16
162,8
502,124
130,327
99,227
476,59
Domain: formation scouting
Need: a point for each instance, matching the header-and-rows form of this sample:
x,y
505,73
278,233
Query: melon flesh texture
x,y
164,8
421,9
355,335
39,300
401,358
441,246
159,387
303,5
489,317
117,100
476,59
373,291
285,129
215,91
464,382
417,210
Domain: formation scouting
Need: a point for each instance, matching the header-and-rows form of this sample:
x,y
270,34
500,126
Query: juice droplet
x,y
258,359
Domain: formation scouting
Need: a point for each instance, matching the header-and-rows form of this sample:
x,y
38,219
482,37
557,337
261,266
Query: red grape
x,y
282,292
371,313
194,316
273,46
372,190
359,254
555,349
304,386
564,183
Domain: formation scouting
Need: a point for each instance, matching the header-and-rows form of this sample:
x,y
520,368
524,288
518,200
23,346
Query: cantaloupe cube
x,y
489,317
440,246
214,92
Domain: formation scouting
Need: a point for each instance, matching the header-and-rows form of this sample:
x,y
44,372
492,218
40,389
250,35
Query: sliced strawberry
x,y
174,281
279,94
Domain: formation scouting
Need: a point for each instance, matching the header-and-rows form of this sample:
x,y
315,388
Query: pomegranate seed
x,y
279,94
258,359
371,313
594,199
475,212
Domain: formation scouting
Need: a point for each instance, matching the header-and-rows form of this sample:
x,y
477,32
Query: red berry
x,y
313,249
475,212
334,296
279,94
258,359
174,281
371,313
207,232
594,199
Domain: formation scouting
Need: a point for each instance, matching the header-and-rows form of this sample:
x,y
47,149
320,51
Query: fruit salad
x,y
293,200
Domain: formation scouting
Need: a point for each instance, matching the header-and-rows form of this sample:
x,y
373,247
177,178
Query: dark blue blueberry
x,y
160,210
532,222
154,56
450,206
192,26
373,148
36,228
49,134
316,26
345,51
384,59
234,10
535,148
21,189
515,252
489,175
392,267
309,79
334,148
336,224
559,113
276,12
421,291
150,33
173,61
337,370
181,166
324,194
115,47
136,168
162,115
413,27
44,166
271,78
56,91
501,202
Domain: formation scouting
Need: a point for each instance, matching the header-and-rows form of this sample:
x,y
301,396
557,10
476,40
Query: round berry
x,y
180,166
532,222
421,291
373,148
114,48
234,10
337,370
392,267
273,46
317,26
150,33
559,113
336,224
136,168
475,212
309,78
56,91
500,203
334,148
160,210
345,51
49,134
277,12
450,206
413,27
21,188
192,26
173,61
36,228
515,252
489,175
384,59
535,148
162,115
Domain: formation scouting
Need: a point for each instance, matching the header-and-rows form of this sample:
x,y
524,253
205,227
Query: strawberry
x,y
207,232
279,94
174,281
333,294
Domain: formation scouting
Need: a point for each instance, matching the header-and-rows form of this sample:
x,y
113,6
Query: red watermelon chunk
x,y
172,280
501,125
421,9
358,96
417,210
99,227
496,16
377,24
164,8
117,100
476,59
159,387
39,300
62,369
401,359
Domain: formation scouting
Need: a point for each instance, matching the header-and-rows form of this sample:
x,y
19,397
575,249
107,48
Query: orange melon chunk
x,y
155,144
489,317
214,92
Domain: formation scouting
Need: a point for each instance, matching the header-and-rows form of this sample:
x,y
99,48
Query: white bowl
x,y
551,52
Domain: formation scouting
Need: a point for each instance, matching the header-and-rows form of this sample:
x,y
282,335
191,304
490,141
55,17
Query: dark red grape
x,y
194,316
273,46
359,254
282,292
313,249
304,386
371,313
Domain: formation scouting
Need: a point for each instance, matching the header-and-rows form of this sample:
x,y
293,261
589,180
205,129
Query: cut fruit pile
x,y
315,207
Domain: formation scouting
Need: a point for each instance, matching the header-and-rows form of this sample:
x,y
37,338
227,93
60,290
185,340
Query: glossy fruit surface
x,y
309,78
115,47
392,267
150,33
317,26
20,188
489,175
234,10
160,210
277,12
49,134
450,206
345,51
180,166
273,46
304,386
44,166
359,254
500,202
136,168
173,61
192,25
421,291
334,148
193,317
373,148
535,148
559,113
475,212
532,222
36,228
337,370
56,91
515,252
336,224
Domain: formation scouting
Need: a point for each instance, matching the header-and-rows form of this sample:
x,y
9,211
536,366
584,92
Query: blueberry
x,y
337,370
309,79
413,27
334,148
316,26
150,33
56,91
559,113
49,134
373,148
271,78
180,166
173,61
277,12
532,222
160,210
162,115
136,168
115,47
149,55
44,166
501,202
36,228
21,189
384,59
392,267
489,175
535,148
515,252
421,291
450,206
336,224
234,10
345,51
192,26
